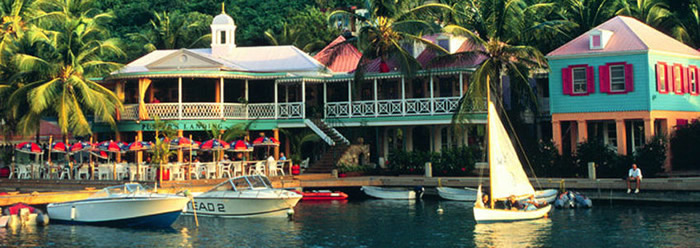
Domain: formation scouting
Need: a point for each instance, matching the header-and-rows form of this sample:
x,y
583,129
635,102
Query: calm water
x,y
381,223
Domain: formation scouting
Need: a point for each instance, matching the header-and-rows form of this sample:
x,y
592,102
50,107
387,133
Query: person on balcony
x,y
155,100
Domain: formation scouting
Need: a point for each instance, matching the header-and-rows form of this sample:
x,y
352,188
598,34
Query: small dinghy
x,y
21,214
547,195
322,195
393,193
457,194
571,199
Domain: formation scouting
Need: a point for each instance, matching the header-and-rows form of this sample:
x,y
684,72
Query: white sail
x,y
507,174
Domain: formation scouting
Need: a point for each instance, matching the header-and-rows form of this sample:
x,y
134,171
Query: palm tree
x,y
502,35
687,22
173,30
652,12
587,14
63,87
297,140
161,151
390,24
294,36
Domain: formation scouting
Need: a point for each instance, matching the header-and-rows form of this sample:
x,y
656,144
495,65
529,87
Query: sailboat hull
x,y
485,215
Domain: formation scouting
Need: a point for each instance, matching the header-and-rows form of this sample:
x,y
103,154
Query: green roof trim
x,y
343,77
211,74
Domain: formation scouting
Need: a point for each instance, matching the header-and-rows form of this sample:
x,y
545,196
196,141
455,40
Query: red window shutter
x,y
590,77
661,71
604,74
629,78
566,80
681,123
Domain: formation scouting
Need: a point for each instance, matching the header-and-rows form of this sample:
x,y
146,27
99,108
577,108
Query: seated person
x,y
634,175
512,204
532,204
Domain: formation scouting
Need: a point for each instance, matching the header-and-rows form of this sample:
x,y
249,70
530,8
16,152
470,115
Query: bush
x,y
652,155
450,162
684,143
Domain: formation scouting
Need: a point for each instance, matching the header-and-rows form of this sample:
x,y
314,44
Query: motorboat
x,y
20,214
393,193
547,195
244,196
322,195
507,177
128,205
457,194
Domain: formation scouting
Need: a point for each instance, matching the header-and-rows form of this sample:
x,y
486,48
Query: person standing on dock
x,y
634,175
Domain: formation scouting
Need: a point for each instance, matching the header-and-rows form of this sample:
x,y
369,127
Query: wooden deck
x,y
653,189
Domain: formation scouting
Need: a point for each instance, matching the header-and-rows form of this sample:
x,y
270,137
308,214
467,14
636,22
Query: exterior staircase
x,y
337,142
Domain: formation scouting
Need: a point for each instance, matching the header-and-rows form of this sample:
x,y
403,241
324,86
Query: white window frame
x,y
692,80
662,77
624,78
584,80
678,90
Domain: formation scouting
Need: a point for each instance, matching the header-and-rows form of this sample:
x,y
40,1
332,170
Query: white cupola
x,y
223,35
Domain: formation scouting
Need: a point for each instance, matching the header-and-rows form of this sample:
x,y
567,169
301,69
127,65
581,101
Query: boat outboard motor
x,y
419,191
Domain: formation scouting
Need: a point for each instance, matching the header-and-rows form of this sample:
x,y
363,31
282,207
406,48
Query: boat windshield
x,y
259,182
130,188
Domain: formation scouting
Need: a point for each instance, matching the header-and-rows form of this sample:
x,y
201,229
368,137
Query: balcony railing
x,y
199,110
398,107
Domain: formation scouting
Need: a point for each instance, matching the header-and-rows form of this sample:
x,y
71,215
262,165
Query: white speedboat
x,y
128,205
457,194
392,193
546,195
245,196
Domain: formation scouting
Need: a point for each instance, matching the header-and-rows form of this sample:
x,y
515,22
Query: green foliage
x,y
307,30
458,161
652,155
297,139
684,144
161,152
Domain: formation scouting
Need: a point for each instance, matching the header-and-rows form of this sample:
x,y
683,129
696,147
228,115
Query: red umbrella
x,y
215,144
29,147
241,146
139,146
109,146
58,146
100,154
80,146
266,141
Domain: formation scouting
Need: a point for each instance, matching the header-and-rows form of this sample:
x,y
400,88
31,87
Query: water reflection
x,y
512,234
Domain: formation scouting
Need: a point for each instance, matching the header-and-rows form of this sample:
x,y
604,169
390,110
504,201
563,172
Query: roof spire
x,y
223,11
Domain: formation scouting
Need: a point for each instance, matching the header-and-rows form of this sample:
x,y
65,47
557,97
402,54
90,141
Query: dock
x,y
680,190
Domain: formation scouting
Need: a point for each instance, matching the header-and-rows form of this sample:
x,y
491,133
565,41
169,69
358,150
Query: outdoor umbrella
x,y
180,143
123,145
241,146
80,146
215,145
58,146
100,154
139,146
266,142
113,147
28,147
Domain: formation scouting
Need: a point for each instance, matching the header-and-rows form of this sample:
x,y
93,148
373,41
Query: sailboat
x,y
507,177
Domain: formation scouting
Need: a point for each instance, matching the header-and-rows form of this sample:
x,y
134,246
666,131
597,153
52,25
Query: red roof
x,y
427,55
629,34
339,58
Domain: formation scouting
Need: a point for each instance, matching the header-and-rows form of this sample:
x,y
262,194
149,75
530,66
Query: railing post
x,y
432,97
403,95
276,102
303,99
349,99
376,104
461,84
221,97
247,109
325,101
179,98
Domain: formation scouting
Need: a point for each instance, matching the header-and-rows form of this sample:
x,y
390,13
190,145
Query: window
x,y
579,80
661,78
222,35
617,78
693,80
677,79
596,41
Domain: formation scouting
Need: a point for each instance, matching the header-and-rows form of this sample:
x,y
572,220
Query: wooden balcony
x,y
202,110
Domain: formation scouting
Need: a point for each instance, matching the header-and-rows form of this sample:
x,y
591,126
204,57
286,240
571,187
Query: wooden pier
x,y
614,189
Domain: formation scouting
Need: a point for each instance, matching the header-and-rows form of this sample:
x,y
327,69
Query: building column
x,y
180,133
582,131
437,138
432,95
118,137
408,137
303,99
179,97
139,154
325,101
217,92
648,129
246,90
277,108
276,134
221,97
403,95
667,129
556,135
573,134
288,147
376,106
349,99
621,136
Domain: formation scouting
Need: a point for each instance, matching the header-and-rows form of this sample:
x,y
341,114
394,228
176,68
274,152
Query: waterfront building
x,y
281,87
621,83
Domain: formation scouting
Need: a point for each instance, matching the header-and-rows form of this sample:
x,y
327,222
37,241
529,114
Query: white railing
x,y
290,110
207,110
397,107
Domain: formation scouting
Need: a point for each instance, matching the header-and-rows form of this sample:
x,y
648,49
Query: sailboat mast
x,y
488,139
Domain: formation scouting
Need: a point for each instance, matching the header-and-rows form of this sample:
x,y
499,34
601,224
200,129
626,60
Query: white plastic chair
x,y
226,169
177,173
272,165
237,168
259,168
193,171
23,172
211,170
305,163
103,172
133,170
122,171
